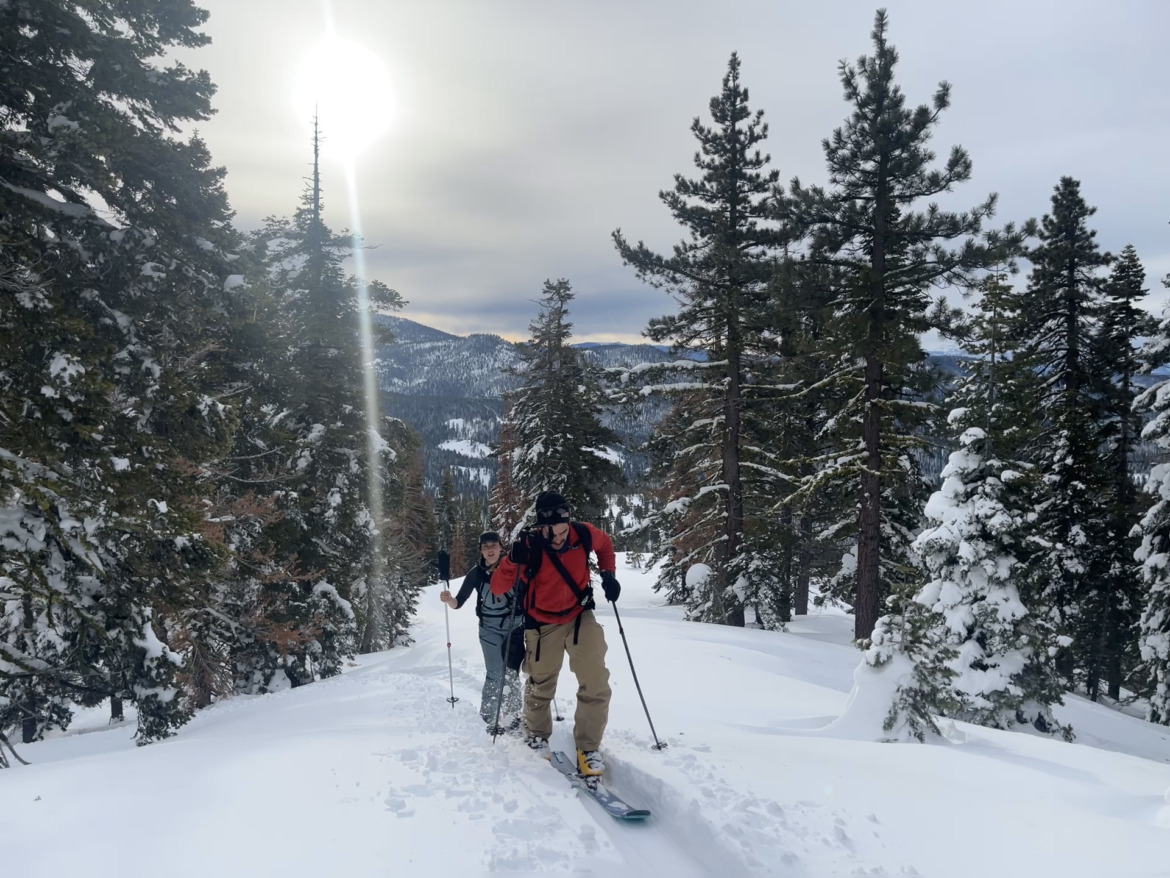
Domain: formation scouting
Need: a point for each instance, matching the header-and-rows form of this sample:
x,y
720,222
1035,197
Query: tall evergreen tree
x,y
560,443
890,254
328,522
1154,529
1057,323
719,276
1115,604
118,233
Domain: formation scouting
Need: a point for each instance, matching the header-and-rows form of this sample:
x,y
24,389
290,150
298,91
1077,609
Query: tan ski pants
x,y
586,661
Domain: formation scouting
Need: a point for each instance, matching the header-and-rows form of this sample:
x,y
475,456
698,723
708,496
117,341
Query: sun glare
x,y
348,88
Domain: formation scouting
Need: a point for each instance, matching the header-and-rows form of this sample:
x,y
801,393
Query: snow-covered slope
x,y
375,773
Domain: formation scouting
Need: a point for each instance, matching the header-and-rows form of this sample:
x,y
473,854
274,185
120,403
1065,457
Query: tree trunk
x,y
116,713
366,646
733,608
28,725
800,595
1113,678
869,524
868,606
787,569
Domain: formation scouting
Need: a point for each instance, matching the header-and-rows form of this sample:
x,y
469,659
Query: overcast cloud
x,y
526,132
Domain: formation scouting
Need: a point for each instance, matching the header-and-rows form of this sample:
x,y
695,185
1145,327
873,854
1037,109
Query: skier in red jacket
x,y
551,563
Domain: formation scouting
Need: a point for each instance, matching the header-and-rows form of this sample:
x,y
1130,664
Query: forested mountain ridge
x,y
449,388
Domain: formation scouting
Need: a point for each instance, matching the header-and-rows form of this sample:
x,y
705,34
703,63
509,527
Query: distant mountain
x,y
450,389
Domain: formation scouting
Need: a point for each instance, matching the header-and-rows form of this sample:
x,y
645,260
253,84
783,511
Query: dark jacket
x,y
492,609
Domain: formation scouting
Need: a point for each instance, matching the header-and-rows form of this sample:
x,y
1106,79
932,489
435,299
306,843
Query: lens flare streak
x,y
374,441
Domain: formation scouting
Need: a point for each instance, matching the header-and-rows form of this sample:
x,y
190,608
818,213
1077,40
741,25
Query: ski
x,y
601,794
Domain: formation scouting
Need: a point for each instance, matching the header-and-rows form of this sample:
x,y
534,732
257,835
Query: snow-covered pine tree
x,y
1056,325
328,521
890,253
996,651
410,543
1154,530
712,464
559,442
110,356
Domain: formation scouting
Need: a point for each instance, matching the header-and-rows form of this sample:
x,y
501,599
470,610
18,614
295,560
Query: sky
x,y
522,134
771,768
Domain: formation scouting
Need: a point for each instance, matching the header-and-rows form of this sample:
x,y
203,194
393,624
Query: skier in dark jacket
x,y
494,612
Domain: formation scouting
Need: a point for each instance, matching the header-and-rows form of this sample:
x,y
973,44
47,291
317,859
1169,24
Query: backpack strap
x,y
584,597
585,540
584,537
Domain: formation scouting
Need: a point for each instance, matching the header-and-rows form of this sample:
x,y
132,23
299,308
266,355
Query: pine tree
x,y
111,355
719,275
889,256
555,417
328,521
1115,604
996,651
1154,530
1057,323
410,543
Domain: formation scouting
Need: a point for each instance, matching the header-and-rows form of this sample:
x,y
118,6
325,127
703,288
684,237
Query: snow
x,y
46,200
771,769
466,447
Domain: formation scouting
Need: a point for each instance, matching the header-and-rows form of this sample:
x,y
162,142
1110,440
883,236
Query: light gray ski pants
x,y
491,640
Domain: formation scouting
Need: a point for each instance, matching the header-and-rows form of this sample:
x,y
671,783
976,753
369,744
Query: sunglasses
x,y
558,512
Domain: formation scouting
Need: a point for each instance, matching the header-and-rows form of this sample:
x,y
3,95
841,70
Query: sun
x,y
348,87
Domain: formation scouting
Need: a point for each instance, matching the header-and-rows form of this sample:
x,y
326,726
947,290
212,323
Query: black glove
x,y
610,586
518,554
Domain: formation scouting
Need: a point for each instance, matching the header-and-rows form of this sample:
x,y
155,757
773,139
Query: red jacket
x,y
549,599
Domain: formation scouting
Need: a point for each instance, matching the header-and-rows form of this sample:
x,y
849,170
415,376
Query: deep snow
x,y
375,773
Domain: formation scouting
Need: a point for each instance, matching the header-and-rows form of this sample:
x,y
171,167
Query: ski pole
x,y
445,573
507,652
559,718
658,745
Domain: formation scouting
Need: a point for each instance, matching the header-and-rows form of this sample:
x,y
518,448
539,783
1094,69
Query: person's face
x,y
559,532
490,552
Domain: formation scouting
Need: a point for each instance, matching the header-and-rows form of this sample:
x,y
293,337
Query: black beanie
x,y
552,508
489,536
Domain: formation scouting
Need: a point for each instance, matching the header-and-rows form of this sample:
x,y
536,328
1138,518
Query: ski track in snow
x,y
551,826
702,827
